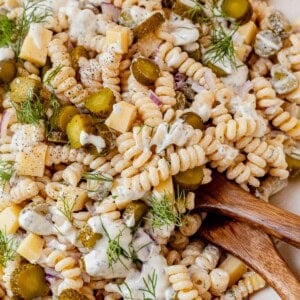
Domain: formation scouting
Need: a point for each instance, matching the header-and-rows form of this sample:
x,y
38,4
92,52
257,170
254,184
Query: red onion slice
x,y
154,98
110,10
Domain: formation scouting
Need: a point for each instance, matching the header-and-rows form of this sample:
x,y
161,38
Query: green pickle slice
x,y
8,70
193,119
78,123
101,103
28,282
108,136
76,53
149,25
292,162
239,10
64,116
70,294
187,9
190,179
22,88
134,212
88,238
145,71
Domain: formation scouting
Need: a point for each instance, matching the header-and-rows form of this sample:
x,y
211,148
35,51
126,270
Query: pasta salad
x,y
113,113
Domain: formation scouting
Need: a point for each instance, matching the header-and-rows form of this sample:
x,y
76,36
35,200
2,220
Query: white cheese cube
x,y
9,219
34,48
71,198
32,161
118,37
122,117
165,188
248,32
31,247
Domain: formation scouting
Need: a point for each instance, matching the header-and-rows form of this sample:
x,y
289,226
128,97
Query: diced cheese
x,y
32,161
9,219
118,37
295,95
248,32
122,117
31,247
34,48
74,198
165,188
242,52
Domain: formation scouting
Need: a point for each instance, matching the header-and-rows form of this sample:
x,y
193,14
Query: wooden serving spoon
x,y
256,249
228,199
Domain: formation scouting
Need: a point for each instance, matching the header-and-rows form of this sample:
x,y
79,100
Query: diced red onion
x,y
154,98
110,10
210,80
51,274
4,123
179,77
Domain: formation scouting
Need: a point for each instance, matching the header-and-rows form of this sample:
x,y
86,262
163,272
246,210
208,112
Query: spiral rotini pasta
x,y
73,173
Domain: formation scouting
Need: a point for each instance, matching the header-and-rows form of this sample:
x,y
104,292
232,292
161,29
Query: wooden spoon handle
x,y
227,198
256,249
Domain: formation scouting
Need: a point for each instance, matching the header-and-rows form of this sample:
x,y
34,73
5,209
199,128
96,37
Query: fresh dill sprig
x,y
194,12
163,213
150,285
34,11
54,105
52,75
30,111
99,176
130,297
8,248
6,30
66,207
114,250
6,171
222,48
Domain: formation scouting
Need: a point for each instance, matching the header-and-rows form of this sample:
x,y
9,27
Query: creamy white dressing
x,y
228,153
95,140
36,32
135,281
122,192
139,14
6,53
96,262
202,109
176,134
184,31
238,77
35,222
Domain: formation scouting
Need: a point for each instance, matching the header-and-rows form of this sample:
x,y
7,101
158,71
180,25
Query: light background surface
x,y
289,198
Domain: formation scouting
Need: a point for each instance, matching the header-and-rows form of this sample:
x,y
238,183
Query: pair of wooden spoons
x,y
244,232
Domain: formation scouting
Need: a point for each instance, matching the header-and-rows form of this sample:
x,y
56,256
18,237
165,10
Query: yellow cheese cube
x,y
122,117
71,198
31,247
31,162
34,48
165,188
248,32
118,37
242,52
295,95
9,219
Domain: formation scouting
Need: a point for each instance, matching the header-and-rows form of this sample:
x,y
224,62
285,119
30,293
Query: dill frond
x,y
8,248
52,75
130,297
6,31
66,208
150,283
30,111
163,212
6,171
54,105
99,176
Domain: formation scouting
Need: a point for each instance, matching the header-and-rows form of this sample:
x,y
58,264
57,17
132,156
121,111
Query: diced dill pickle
x,y
57,137
76,53
145,71
193,119
239,10
65,115
279,23
101,103
88,238
167,3
216,69
234,267
28,282
108,136
149,25
187,9
180,100
70,294
196,54
22,88
190,179
126,19
292,162
283,80
8,70
267,43
134,213
78,123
